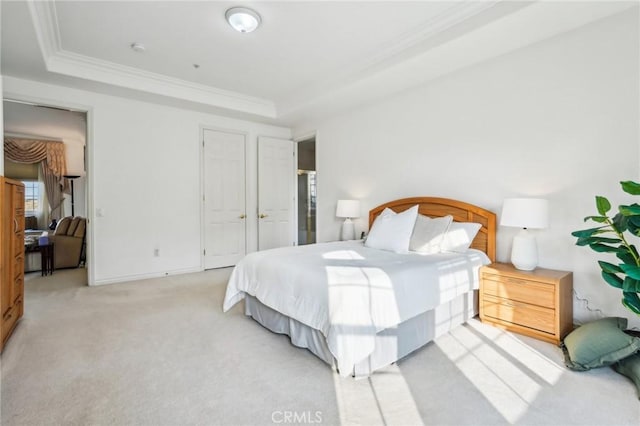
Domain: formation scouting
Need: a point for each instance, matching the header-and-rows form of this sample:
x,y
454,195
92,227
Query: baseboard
x,y
138,277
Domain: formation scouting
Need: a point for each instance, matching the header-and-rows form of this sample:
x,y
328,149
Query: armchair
x,y
68,239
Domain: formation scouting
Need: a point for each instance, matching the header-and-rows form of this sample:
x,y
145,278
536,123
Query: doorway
x,y
307,191
276,193
24,122
224,201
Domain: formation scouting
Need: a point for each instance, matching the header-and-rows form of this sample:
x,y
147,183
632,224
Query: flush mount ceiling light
x,y
243,19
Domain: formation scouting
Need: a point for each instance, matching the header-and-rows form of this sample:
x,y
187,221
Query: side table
x,y
46,258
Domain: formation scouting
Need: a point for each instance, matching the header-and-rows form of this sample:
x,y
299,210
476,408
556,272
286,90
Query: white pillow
x,y
428,233
391,231
460,236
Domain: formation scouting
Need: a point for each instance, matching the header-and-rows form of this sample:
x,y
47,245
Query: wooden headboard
x,y
461,212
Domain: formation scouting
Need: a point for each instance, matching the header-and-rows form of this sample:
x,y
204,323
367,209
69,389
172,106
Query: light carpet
x,y
161,352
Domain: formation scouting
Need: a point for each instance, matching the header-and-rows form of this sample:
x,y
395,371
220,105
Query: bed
x,y
359,308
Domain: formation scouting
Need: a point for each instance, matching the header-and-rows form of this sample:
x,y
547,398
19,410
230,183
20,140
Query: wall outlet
x,y
156,252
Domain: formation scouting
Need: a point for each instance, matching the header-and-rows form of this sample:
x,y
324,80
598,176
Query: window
x,y
32,198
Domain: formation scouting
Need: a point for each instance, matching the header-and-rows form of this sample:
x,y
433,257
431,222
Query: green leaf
x,y
633,225
624,255
599,219
631,270
631,285
587,241
609,267
605,240
588,232
633,229
631,301
612,279
632,210
603,205
630,187
620,222
603,248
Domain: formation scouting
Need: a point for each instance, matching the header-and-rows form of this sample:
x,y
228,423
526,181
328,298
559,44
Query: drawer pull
x,y
515,281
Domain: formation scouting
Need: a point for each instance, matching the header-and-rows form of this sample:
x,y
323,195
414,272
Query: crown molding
x,y
75,65
58,60
413,42
68,63
446,19
45,24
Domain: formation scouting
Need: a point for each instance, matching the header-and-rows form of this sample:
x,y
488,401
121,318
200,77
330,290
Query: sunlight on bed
x,y
508,385
343,255
354,287
458,276
384,398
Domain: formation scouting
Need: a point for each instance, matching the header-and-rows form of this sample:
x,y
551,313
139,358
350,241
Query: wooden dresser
x,y
537,303
11,255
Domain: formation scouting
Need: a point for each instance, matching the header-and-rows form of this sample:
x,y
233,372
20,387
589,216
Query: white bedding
x,y
350,292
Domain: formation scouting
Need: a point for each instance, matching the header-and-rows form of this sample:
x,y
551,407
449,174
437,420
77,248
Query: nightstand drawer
x,y
532,292
522,314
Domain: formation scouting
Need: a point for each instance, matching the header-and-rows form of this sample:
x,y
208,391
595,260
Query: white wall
x,y
558,119
144,174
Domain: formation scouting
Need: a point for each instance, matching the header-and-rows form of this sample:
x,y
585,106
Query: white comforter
x,y
350,292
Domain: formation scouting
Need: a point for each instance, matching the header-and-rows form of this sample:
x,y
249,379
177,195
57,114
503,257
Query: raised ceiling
x,y
307,57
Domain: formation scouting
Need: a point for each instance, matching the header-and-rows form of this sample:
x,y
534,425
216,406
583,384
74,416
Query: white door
x,y
224,198
276,196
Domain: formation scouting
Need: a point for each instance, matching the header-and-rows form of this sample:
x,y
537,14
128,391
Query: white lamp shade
x,y
348,208
532,213
74,157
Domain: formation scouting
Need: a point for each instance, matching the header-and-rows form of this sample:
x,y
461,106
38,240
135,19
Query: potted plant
x,y
610,237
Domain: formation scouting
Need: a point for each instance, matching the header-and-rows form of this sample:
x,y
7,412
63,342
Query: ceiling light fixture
x,y
243,19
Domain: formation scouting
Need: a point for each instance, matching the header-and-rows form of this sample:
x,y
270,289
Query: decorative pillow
x,y
428,233
598,343
459,236
630,367
63,226
73,226
391,231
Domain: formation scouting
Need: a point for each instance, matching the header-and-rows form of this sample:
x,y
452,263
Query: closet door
x,y
276,193
224,198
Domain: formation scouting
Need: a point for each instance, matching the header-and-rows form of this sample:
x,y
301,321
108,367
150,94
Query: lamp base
x,y
524,254
348,231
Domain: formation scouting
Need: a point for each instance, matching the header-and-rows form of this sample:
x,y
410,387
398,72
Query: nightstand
x,y
536,303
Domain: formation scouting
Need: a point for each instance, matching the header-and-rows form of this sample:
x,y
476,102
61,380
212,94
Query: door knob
x,y
262,215
242,216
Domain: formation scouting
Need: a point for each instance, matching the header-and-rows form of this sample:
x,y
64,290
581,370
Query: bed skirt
x,y
391,344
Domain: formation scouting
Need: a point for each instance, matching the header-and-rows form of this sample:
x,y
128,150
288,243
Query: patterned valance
x,y
31,151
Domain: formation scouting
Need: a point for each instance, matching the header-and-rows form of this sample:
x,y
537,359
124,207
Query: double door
x,y
226,219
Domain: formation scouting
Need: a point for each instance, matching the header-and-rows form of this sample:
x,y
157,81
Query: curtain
x,y
31,151
53,188
44,216
51,156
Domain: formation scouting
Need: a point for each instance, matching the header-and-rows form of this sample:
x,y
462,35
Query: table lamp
x,y
525,213
348,209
